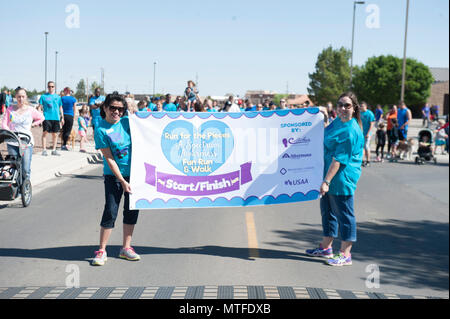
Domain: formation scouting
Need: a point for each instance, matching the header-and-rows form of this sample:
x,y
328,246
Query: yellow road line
x,y
251,233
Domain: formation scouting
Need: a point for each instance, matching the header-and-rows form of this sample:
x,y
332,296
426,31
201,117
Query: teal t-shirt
x,y
169,107
344,142
80,120
116,137
366,118
51,104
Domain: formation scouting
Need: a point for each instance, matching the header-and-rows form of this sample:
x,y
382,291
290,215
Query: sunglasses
x,y
113,108
346,105
51,86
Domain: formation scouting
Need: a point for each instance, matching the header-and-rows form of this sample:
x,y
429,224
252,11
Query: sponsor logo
x,y
296,170
295,182
296,156
300,141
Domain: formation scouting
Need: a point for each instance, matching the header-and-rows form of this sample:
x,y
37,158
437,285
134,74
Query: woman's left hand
x,y
324,189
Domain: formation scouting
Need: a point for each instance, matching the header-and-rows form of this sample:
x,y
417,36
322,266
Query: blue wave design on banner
x,y
223,202
221,115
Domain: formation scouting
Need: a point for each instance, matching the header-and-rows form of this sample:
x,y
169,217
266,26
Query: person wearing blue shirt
x,y
426,110
343,154
53,112
68,103
368,122
249,107
9,99
169,106
94,104
378,115
403,118
113,139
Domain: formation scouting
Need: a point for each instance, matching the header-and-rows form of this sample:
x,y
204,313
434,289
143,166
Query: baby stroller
x,y
12,177
425,152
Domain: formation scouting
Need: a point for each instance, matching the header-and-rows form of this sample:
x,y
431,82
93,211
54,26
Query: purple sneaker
x,y
320,252
340,260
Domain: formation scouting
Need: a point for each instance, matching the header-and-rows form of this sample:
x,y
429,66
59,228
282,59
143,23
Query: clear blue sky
x,y
232,46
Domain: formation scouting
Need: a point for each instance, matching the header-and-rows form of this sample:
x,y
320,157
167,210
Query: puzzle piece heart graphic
x,y
197,151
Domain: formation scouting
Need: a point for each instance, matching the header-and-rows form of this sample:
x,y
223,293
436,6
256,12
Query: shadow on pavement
x,y
80,176
86,253
409,253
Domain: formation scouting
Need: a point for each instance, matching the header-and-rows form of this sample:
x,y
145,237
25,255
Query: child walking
x,y
394,138
113,139
381,142
82,127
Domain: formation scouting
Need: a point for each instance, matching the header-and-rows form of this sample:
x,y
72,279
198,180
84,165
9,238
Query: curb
x,y
195,292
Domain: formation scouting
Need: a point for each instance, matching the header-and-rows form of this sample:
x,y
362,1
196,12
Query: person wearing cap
x,y
68,103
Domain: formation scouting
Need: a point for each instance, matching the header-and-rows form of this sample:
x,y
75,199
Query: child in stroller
x,y
425,150
13,178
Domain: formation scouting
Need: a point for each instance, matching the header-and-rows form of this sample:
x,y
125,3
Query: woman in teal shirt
x,y
113,139
343,154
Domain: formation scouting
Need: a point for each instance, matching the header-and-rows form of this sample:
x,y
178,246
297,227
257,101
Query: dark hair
x,y
199,107
18,89
356,106
111,98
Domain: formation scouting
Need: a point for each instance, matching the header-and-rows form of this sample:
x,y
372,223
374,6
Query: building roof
x,y
440,74
299,99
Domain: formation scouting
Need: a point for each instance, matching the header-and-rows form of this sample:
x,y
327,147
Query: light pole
x,y
56,71
102,81
402,93
353,38
154,77
45,85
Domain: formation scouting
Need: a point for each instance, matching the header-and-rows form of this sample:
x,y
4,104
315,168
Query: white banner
x,y
182,159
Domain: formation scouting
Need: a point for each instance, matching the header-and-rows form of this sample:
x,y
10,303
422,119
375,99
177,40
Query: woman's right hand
x,y
126,186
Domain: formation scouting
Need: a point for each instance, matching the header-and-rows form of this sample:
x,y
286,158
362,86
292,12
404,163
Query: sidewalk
x,y
44,168
413,131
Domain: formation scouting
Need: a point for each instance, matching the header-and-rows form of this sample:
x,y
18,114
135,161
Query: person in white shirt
x,y
231,106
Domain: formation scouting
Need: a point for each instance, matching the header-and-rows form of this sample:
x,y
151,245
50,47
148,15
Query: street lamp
x,y
353,38
56,71
402,93
154,75
45,85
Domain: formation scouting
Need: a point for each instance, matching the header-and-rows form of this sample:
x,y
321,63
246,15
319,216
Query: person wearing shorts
x,y
53,112
113,139
82,127
403,117
368,122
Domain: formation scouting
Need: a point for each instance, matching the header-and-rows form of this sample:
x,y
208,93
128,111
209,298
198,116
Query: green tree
x,y
80,92
331,76
94,85
379,81
277,98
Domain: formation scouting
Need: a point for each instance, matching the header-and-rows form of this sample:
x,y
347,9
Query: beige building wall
x,y
438,91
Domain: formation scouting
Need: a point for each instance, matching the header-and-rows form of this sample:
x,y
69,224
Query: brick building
x,y
439,89
296,100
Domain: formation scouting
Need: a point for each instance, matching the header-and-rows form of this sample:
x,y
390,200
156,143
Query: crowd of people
x,y
389,129
349,127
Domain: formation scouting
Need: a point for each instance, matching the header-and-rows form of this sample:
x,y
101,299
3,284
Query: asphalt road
x,y
403,223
